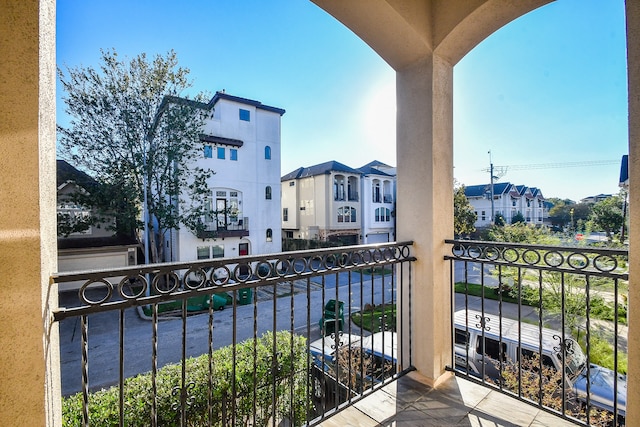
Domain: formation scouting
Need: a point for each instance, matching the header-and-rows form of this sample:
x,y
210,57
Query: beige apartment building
x,y
322,202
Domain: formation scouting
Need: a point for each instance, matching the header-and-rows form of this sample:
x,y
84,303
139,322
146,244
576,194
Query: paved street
x,y
290,313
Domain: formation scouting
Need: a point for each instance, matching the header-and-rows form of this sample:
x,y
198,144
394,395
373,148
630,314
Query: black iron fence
x,y
545,324
255,340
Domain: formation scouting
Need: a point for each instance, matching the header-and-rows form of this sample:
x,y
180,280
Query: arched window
x,y
267,192
267,152
269,235
376,191
338,187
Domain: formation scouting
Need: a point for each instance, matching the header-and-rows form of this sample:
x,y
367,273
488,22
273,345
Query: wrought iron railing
x,y
545,324
238,227
233,341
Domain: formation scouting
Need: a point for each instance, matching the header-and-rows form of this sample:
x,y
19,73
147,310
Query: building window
x,y
218,251
288,234
267,192
221,153
376,192
484,216
267,152
285,214
346,214
292,183
269,235
245,115
203,252
208,152
233,154
338,187
383,215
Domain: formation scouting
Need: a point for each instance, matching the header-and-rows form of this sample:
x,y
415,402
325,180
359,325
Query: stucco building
x,y
322,202
242,146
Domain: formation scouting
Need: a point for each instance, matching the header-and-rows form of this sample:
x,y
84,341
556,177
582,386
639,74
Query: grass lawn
x,y
372,319
489,293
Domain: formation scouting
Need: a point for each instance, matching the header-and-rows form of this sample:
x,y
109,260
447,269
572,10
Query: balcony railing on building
x,y
544,324
229,227
255,340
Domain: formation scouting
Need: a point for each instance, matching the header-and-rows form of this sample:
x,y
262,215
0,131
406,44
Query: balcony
x,y
546,325
195,343
216,229
205,328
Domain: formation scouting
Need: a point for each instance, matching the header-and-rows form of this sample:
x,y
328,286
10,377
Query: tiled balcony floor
x,y
457,402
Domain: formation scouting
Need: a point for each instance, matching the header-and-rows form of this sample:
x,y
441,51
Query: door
x,y
221,213
243,249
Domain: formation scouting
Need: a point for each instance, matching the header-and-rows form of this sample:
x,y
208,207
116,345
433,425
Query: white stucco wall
x,y
249,175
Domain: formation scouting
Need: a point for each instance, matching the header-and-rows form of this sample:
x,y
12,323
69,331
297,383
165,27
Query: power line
x,y
585,163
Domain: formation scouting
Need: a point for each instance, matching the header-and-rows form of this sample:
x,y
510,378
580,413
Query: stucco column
x,y
633,70
425,205
29,347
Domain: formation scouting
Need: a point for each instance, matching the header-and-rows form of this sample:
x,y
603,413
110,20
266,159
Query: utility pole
x,y
493,215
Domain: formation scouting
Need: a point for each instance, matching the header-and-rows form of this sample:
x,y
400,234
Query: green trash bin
x,y
333,317
245,296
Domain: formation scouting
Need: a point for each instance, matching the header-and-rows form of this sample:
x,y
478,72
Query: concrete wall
x,y
633,70
29,355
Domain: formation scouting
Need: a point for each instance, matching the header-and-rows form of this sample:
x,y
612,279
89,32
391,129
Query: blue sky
x,y
547,88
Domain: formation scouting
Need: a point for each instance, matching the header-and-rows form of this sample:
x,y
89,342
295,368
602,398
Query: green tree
x,y
464,217
132,133
522,233
518,218
561,213
607,215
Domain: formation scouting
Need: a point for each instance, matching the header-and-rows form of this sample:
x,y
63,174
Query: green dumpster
x,y
245,296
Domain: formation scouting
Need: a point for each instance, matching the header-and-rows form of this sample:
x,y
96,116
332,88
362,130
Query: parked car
x,y
366,361
480,351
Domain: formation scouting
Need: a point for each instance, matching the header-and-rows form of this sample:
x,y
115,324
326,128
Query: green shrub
x,y
601,353
251,391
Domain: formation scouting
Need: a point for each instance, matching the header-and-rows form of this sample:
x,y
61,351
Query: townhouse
x,y
241,144
334,202
508,201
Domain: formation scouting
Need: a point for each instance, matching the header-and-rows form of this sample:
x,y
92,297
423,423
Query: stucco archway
x,y
422,41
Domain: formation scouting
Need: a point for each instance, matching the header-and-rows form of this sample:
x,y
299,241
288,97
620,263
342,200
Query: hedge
x,y
291,379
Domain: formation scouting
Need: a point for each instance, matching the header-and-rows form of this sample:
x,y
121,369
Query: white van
x,y
380,347
480,355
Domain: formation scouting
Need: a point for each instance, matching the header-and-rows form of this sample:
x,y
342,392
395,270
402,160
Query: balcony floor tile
x,y
456,402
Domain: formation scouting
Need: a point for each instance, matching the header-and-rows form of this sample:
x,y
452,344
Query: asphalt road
x,y
291,310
